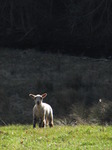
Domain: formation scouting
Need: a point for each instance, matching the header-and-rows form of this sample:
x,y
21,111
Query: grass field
x,y
81,137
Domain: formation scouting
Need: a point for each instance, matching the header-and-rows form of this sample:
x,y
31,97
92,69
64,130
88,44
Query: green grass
x,y
81,137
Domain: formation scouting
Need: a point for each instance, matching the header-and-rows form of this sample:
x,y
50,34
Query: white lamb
x,y
42,112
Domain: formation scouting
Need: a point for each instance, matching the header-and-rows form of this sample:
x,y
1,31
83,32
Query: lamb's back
x,y
47,108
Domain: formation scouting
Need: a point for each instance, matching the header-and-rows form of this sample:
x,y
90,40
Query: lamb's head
x,y
38,98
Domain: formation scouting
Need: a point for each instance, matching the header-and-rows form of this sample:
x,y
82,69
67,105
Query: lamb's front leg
x,y
40,123
34,121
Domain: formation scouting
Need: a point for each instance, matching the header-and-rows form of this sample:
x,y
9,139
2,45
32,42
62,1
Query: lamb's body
x,y
42,112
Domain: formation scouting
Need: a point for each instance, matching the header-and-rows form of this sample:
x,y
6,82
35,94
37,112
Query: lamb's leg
x,y
40,122
51,121
47,121
34,122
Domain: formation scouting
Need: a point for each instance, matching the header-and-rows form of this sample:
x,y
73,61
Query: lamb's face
x,y
38,99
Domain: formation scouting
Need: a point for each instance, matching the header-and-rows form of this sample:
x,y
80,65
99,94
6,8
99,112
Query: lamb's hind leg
x,y
43,122
51,121
47,121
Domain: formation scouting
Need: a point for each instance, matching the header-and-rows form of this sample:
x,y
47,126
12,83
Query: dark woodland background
x,y
46,46
81,27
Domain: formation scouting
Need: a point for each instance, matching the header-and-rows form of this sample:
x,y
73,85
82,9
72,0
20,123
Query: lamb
x,y
42,112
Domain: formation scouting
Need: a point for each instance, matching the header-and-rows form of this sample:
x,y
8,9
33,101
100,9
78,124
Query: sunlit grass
x,y
81,137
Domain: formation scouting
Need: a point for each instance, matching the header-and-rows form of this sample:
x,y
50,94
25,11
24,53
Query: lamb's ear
x,y
44,95
32,96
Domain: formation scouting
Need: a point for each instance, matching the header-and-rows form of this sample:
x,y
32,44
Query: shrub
x,y
79,112
102,112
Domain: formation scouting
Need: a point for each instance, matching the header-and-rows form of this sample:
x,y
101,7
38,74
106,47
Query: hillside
x,y
73,84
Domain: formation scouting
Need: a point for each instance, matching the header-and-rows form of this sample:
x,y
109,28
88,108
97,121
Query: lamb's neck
x,y
39,106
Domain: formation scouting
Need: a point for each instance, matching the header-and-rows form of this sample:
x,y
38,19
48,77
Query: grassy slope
x,y
60,137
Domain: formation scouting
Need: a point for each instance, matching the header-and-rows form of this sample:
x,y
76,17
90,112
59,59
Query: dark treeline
x,y
82,27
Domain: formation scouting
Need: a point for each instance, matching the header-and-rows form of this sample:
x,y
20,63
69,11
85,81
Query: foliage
x,y
102,112
76,27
